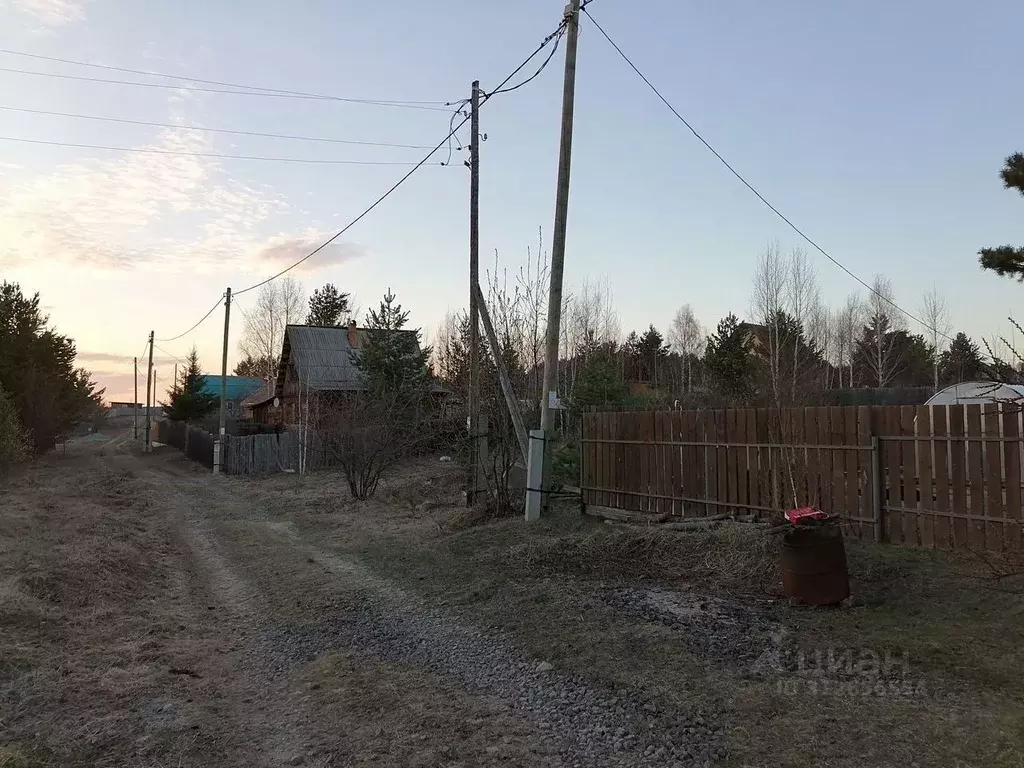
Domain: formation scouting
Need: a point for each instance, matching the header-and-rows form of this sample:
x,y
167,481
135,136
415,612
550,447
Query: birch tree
x,y
935,314
278,304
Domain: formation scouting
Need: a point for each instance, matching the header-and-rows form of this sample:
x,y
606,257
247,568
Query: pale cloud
x,y
53,13
87,358
282,251
136,209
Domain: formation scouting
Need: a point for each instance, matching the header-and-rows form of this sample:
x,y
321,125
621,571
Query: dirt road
x,y
161,617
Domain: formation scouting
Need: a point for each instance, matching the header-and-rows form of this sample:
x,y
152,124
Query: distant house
x,y
238,387
314,360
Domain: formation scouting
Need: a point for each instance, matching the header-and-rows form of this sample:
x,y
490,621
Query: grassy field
x,y
921,667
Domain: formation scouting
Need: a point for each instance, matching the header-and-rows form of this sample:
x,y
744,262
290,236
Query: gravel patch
x,y
578,724
724,632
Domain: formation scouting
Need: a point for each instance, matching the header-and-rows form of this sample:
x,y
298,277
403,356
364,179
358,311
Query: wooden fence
x,y
945,477
195,443
279,452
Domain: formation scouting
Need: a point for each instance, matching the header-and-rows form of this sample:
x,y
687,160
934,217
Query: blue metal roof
x,y
239,387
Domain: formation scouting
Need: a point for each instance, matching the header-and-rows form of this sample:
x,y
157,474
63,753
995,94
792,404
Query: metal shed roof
x,y
239,387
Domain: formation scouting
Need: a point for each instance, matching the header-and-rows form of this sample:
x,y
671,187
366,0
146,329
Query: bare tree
x,y
848,322
278,303
803,302
881,354
935,314
688,337
767,307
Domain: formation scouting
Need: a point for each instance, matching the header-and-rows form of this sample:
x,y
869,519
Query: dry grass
x,y
83,629
734,558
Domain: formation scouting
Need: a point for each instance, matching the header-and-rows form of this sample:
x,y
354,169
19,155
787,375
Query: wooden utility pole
x,y
550,388
218,447
149,390
473,400
135,400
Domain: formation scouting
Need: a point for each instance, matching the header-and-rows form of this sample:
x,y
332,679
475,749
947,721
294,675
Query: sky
x,y
878,128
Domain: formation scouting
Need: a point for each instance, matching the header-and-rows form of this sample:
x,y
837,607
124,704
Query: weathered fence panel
x,y
948,477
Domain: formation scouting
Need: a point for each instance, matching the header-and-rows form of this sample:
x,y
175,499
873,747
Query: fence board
x,y
732,458
994,479
958,475
767,468
826,483
862,469
908,474
894,485
604,462
675,462
704,431
1011,462
659,470
976,475
943,529
926,488
722,457
743,418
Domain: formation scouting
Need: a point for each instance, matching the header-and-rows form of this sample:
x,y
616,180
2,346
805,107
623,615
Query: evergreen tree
x,y
37,370
1007,260
391,360
188,400
327,306
727,358
651,352
961,362
600,385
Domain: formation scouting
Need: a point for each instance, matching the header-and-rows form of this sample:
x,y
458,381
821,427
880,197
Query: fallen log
x,y
624,515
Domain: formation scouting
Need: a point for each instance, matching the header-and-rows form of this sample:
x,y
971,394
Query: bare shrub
x,y
367,435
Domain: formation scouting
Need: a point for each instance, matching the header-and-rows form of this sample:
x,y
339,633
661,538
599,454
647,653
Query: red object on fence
x,y
796,515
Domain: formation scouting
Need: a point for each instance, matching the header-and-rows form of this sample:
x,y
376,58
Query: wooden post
x,y
549,390
219,446
135,401
473,400
876,489
149,390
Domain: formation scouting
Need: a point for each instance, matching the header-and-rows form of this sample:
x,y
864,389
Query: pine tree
x,y
188,400
1007,260
962,361
727,358
327,306
391,360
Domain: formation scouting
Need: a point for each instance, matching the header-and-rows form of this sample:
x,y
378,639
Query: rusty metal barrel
x,y
813,564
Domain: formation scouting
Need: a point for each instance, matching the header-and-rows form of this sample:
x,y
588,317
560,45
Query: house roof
x,y
239,387
262,395
322,357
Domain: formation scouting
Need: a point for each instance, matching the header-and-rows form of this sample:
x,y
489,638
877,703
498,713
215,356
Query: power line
x,y
211,130
173,357
267,94
283,91
201,320
404,178
751,187
558,38
149,151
